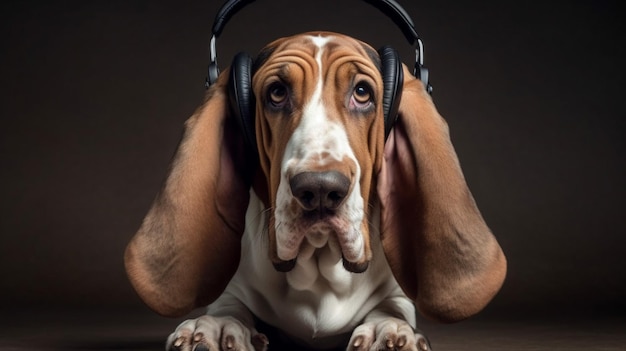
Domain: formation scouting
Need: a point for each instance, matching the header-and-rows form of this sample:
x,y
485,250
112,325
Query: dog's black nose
x,y
320,191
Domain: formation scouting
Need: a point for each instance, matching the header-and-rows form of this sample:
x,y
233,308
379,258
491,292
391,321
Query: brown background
x,y
94,95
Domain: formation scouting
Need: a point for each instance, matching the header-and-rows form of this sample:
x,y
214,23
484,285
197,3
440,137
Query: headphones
x,y
240,83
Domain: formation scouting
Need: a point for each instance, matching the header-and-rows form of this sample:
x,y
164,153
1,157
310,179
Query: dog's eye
x,y
362,94
277,94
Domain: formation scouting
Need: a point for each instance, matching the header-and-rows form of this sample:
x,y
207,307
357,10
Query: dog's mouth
x,y
316,232
320,209
285,266
354,267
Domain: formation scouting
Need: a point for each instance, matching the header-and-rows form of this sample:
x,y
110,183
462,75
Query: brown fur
x,y
438,246
437,243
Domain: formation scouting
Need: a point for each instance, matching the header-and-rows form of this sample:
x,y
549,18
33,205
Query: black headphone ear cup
x,y
393,79
241,97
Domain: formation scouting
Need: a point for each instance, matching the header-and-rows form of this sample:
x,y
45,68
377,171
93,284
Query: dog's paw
x,y
215,333
389,334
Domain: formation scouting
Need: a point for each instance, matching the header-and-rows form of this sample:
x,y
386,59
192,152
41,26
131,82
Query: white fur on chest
x,y
319,298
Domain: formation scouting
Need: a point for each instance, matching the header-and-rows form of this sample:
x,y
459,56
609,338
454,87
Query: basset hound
x,y
327,229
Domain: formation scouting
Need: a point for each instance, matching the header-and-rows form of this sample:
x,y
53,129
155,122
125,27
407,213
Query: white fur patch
x,y
319,301
320,41
318,140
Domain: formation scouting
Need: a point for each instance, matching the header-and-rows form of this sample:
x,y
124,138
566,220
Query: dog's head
x,y
323,165
319,132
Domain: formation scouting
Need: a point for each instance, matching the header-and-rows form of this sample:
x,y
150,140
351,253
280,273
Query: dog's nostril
x,y
320,190
334,199
307,197
335,196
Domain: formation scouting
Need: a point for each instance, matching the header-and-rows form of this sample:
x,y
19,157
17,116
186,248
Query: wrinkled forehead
x,y
317,46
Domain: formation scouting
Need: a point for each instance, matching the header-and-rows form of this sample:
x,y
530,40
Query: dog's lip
x,y
285,266
355,267
317,215
352,263
315,231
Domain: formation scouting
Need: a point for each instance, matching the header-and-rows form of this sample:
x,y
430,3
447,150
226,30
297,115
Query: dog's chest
x,y
319,297
318,300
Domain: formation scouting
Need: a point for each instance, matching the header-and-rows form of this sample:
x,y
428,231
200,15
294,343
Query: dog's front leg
x,y
389,327
227,326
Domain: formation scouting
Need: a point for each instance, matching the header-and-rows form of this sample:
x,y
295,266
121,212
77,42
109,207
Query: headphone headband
x,y
227,11
389,7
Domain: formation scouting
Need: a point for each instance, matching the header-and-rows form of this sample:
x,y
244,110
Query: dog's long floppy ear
x,y
188,246
439,248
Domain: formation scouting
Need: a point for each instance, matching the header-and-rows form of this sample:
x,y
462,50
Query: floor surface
x,y
144,331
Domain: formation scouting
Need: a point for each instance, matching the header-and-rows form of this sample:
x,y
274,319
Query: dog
x,y
317,222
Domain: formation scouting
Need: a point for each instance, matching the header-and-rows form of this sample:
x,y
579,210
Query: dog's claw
x,y
389,334
179,342
208,333
260,342
229,342
357,342
401,341
422,344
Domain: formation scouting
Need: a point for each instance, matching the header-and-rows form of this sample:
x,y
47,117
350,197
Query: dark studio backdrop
x,y
94,95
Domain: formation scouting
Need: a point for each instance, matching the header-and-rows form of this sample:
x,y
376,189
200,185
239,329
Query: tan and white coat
x,y
399,229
